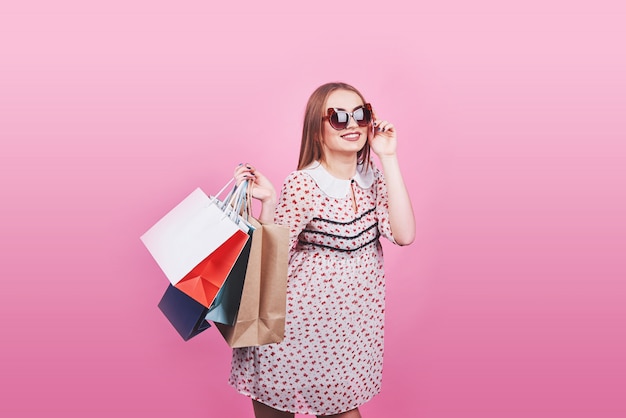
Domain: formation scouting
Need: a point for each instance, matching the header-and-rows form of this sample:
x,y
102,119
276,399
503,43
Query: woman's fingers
x,y
244,172
383,126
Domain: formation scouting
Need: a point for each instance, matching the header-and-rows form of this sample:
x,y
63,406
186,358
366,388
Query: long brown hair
x,y
313,127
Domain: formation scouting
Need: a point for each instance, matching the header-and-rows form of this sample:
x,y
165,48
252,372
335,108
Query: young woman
x,y
337,205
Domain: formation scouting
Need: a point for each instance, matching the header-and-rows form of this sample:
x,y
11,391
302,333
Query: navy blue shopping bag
x,y
185,314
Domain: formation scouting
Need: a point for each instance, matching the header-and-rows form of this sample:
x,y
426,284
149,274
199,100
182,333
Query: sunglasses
x,y
339,119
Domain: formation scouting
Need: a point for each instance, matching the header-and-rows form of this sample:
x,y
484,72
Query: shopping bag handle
x,y
214,198
244,206
234,199
235,203
248,210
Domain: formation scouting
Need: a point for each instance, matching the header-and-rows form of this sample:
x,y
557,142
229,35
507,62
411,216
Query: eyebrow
x,y
341,108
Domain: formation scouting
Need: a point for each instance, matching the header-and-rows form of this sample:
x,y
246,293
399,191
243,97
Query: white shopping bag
x,y
190,232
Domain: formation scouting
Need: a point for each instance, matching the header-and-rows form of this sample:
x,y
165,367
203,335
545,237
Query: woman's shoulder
x,y
299,180
298,176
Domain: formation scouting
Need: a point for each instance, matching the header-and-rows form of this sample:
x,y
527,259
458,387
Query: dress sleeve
x,y
382,206
296,204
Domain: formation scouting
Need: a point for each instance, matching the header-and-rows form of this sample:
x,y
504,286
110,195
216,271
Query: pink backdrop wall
x,y
511,124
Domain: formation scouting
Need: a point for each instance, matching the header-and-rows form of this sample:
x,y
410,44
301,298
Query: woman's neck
x,y
342,168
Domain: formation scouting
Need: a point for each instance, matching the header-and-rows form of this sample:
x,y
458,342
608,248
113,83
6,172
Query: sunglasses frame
x,y
366,107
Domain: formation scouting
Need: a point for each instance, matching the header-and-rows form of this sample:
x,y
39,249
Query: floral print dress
x,y
331,359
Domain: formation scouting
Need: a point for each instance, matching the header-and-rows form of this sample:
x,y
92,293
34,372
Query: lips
x,y
351,136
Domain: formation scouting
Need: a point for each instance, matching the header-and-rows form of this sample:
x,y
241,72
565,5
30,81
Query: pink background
x,y
512,130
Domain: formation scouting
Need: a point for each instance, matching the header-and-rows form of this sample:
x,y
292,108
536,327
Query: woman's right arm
x,y
262,189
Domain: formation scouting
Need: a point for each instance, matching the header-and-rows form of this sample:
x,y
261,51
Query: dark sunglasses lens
x,y
339,119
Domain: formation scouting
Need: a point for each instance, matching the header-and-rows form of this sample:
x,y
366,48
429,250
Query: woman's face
x,y
351,139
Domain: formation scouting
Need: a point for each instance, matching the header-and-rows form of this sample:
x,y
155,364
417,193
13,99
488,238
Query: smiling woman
x,y
511,139
337,205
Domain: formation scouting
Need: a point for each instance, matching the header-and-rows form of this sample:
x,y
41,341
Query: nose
x,y
352,122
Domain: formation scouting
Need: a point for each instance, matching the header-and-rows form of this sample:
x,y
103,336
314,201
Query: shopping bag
x,y
226,304
203,282
261,316
185,314
206,279
190,232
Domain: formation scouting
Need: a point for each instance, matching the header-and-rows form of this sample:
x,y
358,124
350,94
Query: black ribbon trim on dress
x,y
374,225
340,249
367,212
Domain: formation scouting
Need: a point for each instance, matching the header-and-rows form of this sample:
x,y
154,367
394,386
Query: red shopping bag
x,y
204,281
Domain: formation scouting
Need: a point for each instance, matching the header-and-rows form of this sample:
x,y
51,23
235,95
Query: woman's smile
x,y
351,136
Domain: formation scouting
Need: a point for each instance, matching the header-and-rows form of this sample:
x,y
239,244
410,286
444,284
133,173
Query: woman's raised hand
x,y
383,141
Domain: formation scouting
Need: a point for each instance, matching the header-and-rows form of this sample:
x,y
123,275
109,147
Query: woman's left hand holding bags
x,y
261,189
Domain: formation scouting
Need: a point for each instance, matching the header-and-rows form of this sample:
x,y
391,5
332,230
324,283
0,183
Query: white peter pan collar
x,y
335,187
